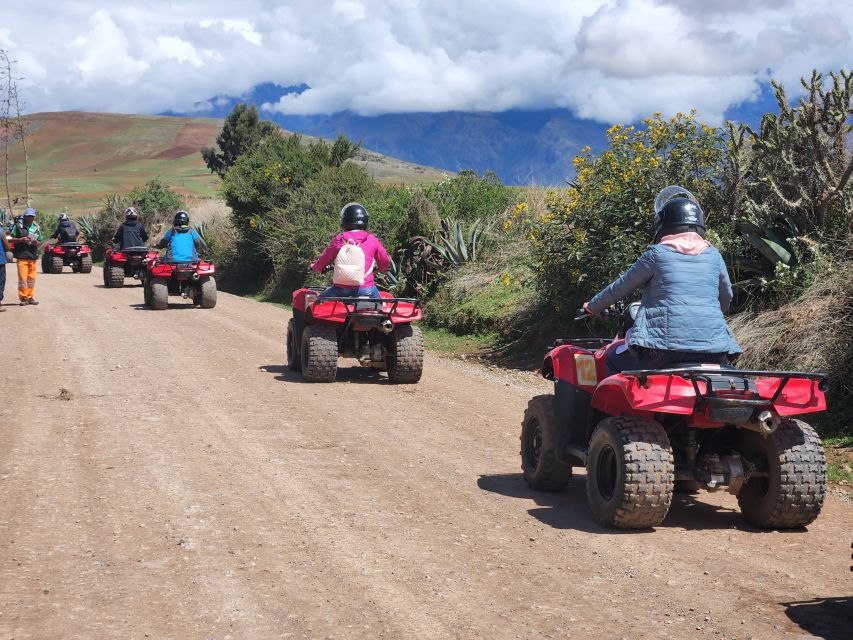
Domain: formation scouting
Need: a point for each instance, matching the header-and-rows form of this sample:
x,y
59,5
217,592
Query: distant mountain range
x,y
521,147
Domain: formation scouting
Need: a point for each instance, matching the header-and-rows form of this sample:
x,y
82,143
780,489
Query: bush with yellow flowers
x,y
603,222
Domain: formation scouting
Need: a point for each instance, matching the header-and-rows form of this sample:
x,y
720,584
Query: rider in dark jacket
x,y
66,231
130,233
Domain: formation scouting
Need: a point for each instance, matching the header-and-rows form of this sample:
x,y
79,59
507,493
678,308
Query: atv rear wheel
x,y
113,276
405,359
792,492
542,470
158,293
56,264
630,473
294,362
319,353
86,264
207,298
45,263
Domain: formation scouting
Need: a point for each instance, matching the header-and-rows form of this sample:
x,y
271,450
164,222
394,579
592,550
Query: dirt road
x,y
186,485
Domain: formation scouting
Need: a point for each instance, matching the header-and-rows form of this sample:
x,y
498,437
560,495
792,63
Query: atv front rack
x,y
694,374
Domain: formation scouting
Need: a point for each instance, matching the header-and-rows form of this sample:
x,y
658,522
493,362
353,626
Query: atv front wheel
x,y
629,473
405,360
86,264
789,492
294,362
158,293
207,297
319,353
56,264
542,470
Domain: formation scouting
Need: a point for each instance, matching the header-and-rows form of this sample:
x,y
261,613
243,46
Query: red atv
x,y
644,434
193,280
378,332
68,254
126,263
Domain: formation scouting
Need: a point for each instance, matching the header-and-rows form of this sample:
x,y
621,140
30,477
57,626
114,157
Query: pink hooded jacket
x,y
373,252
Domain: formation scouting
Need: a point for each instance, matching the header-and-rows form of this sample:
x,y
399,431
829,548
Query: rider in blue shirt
x,y
181,242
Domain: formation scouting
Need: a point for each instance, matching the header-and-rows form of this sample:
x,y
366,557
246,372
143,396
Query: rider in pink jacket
x,y
354,225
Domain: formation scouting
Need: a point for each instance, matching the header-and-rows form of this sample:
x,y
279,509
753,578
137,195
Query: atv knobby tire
x,y
792,493
45,264
207,298
56,264
542,470
319,353
630,473
405,359
294,362
113,276
86,264
158,293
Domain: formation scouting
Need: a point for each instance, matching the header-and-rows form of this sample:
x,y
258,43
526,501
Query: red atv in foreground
x,y
643,434
68,254
378,332
126,263
193,280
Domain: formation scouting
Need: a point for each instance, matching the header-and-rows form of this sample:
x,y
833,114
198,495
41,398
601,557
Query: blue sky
x,y
610,61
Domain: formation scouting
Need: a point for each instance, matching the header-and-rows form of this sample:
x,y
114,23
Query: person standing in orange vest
x,y
26,240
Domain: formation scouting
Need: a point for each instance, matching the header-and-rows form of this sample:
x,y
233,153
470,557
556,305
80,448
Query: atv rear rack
x,y
694,374
378,303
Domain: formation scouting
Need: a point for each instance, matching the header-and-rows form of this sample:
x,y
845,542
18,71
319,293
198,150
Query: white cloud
x,y
609,60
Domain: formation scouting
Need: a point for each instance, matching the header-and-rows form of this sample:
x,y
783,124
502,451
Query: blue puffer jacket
x,y
684,297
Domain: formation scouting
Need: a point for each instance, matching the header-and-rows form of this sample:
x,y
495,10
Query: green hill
x,y
76,158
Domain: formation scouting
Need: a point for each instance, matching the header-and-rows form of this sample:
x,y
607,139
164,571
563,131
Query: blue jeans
x,y
2,275
350,292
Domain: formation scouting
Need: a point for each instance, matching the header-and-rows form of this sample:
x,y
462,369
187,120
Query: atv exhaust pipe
x,y
387,326
768,422
194,276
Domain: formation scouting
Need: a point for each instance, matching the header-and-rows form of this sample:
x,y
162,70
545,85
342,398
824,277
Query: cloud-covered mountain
x,y
521,147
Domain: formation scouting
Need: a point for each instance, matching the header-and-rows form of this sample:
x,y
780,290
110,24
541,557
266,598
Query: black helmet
x,y
182,219
353,216
677,211
130,214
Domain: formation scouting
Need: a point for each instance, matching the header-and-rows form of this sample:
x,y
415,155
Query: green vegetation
x,y
511,265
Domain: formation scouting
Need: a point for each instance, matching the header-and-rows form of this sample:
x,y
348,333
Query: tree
x,y
13,127
243,129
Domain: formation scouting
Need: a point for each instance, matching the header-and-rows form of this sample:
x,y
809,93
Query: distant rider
x,y
130,233
66,231
181,242
354,225
686,290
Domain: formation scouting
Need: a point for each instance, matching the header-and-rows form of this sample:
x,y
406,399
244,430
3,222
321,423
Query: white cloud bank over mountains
x,y
611,61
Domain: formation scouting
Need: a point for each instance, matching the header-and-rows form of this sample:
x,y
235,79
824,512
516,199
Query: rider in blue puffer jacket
x,y
686,290
181,242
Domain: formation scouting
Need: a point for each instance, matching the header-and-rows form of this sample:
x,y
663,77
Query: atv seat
x,y
135,250
70,245
711,366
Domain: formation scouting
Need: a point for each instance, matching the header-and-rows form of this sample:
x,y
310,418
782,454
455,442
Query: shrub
x,y
600,225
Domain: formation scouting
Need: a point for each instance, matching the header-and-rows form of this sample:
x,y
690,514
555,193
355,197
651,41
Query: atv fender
x,y
621,395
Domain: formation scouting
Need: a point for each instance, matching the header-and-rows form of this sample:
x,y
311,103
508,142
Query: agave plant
x,y
395,279
773,242
456,245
